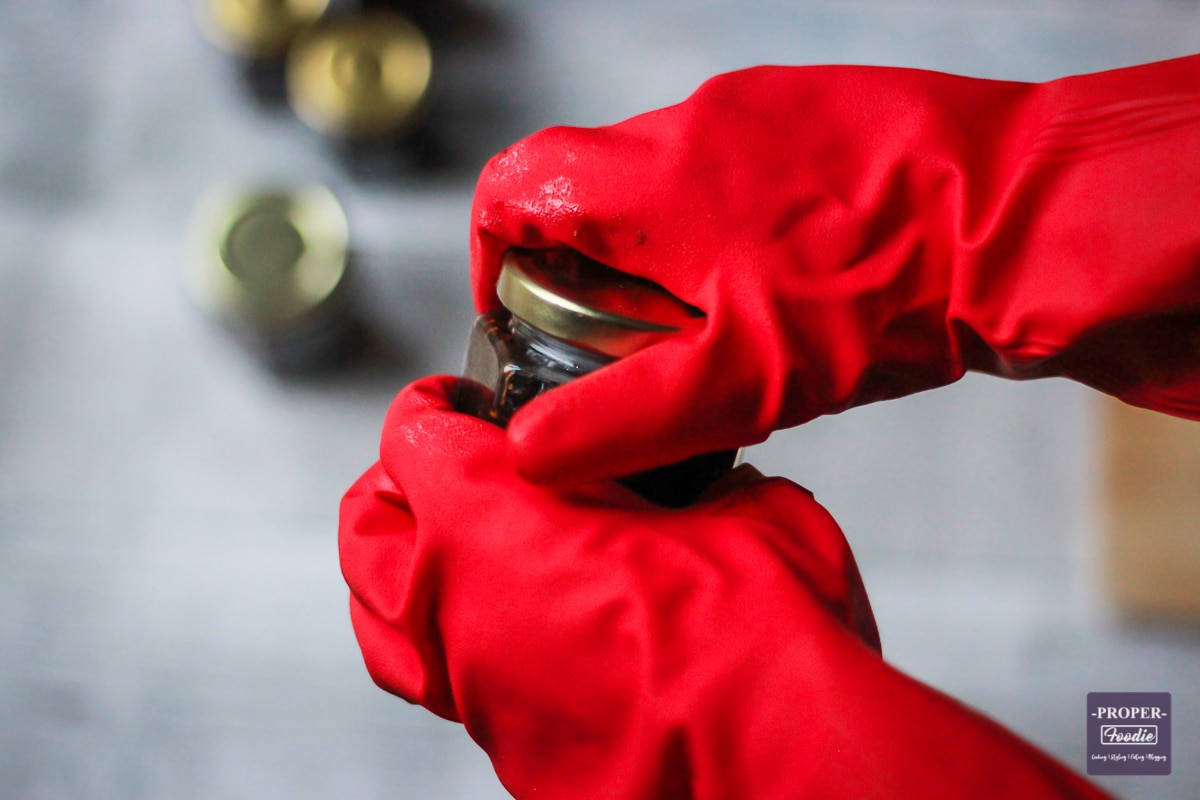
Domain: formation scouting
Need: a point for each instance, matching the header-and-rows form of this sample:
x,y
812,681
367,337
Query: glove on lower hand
x,y
859,233
598,646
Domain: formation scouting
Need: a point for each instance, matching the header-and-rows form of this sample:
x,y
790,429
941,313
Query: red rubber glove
x,y
598,646
859,233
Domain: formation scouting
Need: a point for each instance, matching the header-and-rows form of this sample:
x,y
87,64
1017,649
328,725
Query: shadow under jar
x,y
564,316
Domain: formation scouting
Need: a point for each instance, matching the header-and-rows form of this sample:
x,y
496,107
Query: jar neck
x,y
550,347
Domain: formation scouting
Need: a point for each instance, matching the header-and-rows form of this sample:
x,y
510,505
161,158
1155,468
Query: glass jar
x,y
564,316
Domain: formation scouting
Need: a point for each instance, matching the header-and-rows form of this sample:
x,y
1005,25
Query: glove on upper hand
x,y
859,233
598,646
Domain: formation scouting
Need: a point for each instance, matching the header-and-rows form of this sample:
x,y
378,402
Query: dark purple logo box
x,y
1129,733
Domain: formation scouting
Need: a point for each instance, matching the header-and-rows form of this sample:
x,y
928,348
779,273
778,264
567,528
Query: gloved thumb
x,y
650,409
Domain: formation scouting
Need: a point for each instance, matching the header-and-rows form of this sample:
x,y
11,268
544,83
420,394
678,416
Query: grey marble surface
x,y
172,619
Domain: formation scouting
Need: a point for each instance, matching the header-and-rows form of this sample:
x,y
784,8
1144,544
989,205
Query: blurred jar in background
x,y
364,83
273,265
258,33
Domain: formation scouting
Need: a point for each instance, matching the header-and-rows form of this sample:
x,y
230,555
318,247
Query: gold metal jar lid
x,y
259,28
267,258
571,297
360,77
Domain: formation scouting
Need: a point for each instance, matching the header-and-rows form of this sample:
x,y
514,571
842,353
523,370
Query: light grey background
x,y
172,619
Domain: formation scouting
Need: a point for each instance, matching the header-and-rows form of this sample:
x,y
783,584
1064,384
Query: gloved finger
x,y
585,189
525,198
432,450
390,600
423,415
676,399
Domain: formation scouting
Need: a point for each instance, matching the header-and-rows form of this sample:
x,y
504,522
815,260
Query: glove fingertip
x,y
551,445
537,452
431,393
621,420
425,395
424,434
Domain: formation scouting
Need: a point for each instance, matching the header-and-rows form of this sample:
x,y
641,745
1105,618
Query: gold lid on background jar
x,y
257,28
268,259
360,77
573,298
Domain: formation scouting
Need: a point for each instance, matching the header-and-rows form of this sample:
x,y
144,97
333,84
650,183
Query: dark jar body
x,y
509,362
